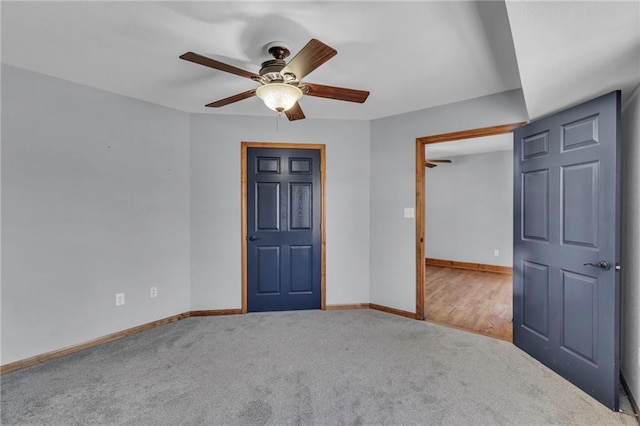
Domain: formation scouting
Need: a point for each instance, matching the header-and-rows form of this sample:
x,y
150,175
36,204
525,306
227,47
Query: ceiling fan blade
x,y
430,165
232,99
439,161
312,55
294,113
212,63
339,93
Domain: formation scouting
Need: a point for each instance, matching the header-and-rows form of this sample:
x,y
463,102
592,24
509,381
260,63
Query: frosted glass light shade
x,y
279,96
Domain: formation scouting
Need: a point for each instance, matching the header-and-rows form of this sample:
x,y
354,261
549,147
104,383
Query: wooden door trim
x,y
421,195
244,146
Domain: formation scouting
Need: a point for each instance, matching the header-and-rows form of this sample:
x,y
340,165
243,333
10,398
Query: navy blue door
x,y
566,244
283,229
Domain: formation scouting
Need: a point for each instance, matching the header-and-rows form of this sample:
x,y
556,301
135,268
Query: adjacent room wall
x,y
469,209
630,279
95,193
393,280
215,203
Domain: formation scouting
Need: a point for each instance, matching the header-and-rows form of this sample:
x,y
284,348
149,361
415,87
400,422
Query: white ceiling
x,y
409,55
569,52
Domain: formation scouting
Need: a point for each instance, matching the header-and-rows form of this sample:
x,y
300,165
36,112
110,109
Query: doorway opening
x,y
469,234
447,282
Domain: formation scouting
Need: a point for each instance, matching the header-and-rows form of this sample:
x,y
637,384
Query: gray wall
x,y
630,281
469,209
215,203
95,193
100,197
393,279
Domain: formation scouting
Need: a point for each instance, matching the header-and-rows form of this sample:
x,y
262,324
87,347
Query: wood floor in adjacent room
x,y
477,301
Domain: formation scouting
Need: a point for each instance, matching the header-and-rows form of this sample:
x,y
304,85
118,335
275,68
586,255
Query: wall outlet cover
x,y
409,213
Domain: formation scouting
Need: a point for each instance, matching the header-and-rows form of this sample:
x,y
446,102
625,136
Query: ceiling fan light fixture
x,y
279,96
280,79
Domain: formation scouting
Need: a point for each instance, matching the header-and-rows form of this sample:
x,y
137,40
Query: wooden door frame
x,y
244,146
421,196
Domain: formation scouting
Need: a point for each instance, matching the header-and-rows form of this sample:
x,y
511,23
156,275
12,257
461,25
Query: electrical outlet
x,y
119,299
496,252
153,291
409,213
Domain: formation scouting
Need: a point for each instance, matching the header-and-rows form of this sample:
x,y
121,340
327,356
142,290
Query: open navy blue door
x,y
566,244
283,229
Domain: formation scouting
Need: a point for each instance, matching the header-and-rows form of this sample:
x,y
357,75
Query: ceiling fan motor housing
x,y
278,49
271,69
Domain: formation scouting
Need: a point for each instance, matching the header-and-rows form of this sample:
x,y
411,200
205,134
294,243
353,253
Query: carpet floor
x,y
305,367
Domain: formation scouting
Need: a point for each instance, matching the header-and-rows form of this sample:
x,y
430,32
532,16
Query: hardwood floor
x,y
480,302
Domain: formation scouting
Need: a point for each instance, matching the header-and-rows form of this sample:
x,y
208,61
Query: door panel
x,y
268,270
535,303
579,194
580,315
535,208
301,211
301,269
535,146
267,206
566,214
283,229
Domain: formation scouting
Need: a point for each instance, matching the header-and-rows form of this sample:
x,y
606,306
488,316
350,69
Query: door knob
x,y
253,238
603,264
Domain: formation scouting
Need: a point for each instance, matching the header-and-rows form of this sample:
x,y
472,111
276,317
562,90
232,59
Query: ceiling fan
x,y
431,163
281,85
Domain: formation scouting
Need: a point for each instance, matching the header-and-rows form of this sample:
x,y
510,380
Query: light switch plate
x,y
119,299
409,213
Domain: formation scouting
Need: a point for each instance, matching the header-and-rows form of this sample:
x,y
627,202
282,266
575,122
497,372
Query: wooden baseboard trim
x,y
634,404
468,330
392,311
469,265
215,312
27,362
349,306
